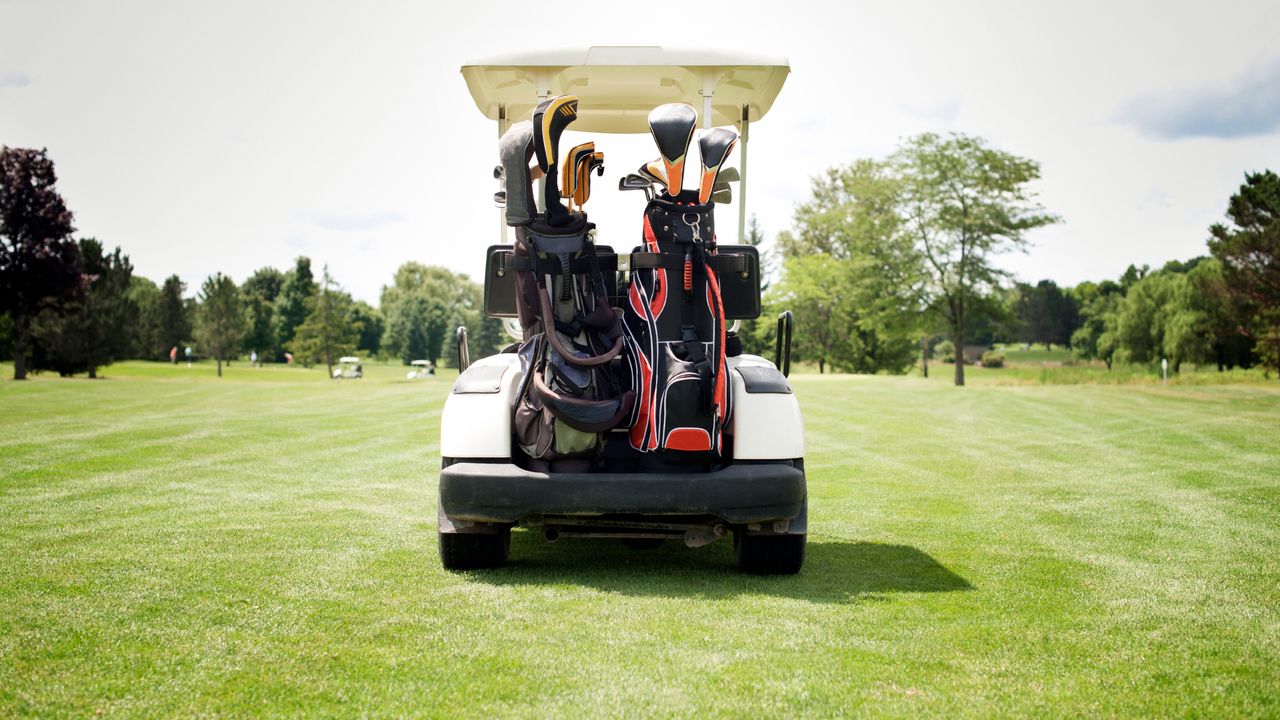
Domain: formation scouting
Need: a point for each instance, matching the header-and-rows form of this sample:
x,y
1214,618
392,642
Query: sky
x,y
227,136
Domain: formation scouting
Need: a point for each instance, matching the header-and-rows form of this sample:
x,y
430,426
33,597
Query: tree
x,y
1096,337
95,327
1047,314
38,263
328,333
144,339
172,316
369,325
423,307
964,203
221,322
1249,250
291,303
756,334
868,269
260,292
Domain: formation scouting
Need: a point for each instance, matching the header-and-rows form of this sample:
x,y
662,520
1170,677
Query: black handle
x,y
464,351
782,348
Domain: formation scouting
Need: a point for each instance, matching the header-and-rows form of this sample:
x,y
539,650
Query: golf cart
x,y
628,409
422,369
349,368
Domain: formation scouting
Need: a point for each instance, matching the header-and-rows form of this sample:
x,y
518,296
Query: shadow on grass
x,y
834,571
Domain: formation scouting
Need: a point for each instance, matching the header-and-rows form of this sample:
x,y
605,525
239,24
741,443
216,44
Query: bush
x,y
945,351
992,359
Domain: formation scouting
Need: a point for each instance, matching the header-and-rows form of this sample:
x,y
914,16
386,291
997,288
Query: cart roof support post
x,y
503,123
744,132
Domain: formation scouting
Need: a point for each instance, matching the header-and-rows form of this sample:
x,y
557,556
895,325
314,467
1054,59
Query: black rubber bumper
x,y
505,493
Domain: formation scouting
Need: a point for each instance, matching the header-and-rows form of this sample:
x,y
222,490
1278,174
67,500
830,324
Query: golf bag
x,y
569,394
675,324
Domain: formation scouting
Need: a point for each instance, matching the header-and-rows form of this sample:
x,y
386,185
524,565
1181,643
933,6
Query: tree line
x,y
891,258
71,306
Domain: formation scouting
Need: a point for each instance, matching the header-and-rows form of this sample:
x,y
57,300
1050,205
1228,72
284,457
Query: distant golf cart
x,y
349,368
422,369
639,393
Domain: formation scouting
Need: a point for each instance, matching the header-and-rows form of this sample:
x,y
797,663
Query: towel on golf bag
x,y
570,393
675,326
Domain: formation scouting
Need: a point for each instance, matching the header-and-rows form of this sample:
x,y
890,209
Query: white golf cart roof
x,y
421,363
349,359
618,86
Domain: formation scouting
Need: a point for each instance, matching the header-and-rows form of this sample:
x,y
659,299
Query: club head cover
x,y
655,172
580,174
515,149
593,163
568,180
550,118
672,128
715,145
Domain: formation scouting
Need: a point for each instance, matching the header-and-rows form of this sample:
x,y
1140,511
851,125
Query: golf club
x,y
672,128
636,181
715,145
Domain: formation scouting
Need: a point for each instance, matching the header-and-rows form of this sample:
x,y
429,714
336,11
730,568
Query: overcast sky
x,y
205,136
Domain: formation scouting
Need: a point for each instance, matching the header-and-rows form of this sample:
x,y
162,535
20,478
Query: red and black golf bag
x,y
675,324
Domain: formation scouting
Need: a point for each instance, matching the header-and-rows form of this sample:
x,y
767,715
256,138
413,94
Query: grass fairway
x,y
175,546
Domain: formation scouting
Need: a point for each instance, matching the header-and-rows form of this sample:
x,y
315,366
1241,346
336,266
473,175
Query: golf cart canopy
x,y
421,363
349,359
618,86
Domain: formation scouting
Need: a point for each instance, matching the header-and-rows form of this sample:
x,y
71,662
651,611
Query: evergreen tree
x,y
95,327
172,316
328,333
221,322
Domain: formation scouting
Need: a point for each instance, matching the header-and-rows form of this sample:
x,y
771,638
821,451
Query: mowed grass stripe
x,y
266,545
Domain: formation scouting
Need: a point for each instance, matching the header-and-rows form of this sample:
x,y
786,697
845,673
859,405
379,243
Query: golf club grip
x,y
544,299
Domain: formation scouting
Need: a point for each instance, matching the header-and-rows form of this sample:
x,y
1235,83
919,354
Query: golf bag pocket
x,y
685,415
562,408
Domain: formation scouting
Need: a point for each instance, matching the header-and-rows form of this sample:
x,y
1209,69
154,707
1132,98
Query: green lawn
x,y
174,546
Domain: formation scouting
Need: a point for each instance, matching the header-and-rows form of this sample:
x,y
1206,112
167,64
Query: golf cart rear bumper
x,y
504,493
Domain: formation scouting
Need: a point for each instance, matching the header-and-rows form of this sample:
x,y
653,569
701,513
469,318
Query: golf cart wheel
x,y
768,554
474,551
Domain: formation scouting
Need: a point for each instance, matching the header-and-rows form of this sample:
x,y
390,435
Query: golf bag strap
x,y
544,299
695,351
561,407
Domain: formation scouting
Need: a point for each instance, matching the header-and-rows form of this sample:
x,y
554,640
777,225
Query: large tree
x,y
38,263
1047,314
1099,305
423,307
849,261
96,326
172,316
260,292
1249,249
964,203
327,333
221,323
291,304
369,325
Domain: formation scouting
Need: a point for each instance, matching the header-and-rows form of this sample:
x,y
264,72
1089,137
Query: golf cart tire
x,y
768,554
474,551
